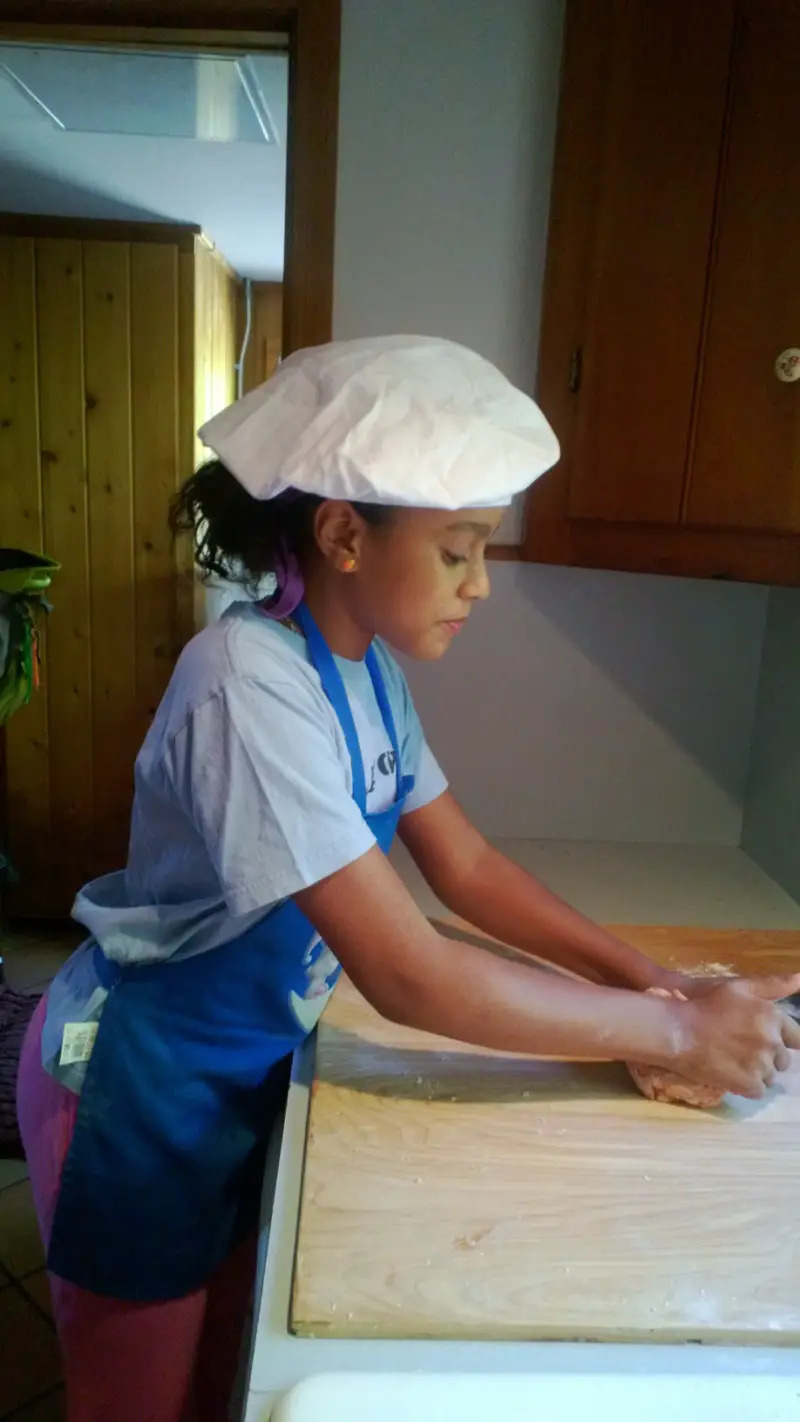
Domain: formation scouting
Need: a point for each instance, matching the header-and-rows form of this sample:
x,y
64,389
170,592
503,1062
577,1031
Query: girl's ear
x,y
339,533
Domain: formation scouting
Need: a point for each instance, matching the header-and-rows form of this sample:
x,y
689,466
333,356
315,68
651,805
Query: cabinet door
x,y
650,232
746,467
659,104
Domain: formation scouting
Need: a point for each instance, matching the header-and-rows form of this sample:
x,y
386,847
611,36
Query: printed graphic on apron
x,y
321,966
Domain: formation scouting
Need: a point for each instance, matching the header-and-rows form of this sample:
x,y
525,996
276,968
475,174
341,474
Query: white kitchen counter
x,y
704,885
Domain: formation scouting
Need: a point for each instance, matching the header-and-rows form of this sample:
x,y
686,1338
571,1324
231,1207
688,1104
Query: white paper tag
x,y
77,1042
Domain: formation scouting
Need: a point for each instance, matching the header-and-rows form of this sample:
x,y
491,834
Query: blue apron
x,y
188,1072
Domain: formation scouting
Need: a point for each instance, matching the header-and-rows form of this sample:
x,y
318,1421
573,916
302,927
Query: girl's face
x,y
418,576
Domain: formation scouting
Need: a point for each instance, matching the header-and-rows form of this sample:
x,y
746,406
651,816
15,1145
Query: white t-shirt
x,y
243,798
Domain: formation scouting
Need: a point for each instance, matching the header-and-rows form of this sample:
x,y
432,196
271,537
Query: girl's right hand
x,y
736,1037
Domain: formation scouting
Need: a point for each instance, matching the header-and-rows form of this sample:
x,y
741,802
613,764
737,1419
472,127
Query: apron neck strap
x,y
334,688
382,698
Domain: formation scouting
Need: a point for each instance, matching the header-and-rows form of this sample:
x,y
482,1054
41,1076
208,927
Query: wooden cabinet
x,y
671,289
116,341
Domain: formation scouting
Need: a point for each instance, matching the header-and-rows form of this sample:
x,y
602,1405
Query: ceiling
x,y
151,136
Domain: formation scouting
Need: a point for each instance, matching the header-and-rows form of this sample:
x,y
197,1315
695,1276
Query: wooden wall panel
x,y
115,728
154,391
202,347
97,419
216,349
26,752
68,688
216,346
190,604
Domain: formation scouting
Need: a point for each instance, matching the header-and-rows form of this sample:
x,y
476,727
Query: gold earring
x,y
349,564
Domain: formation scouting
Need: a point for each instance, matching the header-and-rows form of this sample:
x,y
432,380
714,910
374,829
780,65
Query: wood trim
x,y
727,555
311,175
249,16
503,553
22,33
313,31
203,243
23,224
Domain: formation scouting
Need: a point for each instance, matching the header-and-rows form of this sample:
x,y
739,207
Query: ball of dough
x,y
660,1084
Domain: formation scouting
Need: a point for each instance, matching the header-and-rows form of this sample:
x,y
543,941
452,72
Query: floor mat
x,y
16,1011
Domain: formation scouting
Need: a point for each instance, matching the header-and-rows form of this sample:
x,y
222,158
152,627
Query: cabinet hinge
x,y
575,369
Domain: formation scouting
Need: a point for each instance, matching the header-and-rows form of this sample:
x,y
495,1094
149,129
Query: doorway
x,y
123,328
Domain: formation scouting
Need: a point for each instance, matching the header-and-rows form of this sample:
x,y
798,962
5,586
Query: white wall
x,y
772,806
588,705
579,705
447,128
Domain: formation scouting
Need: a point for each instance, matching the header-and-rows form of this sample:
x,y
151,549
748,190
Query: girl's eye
x,y
453,559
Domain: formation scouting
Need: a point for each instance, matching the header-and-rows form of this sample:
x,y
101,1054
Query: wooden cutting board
x,y
451,1192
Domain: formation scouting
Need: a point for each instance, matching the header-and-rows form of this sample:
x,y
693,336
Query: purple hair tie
x,y
290,587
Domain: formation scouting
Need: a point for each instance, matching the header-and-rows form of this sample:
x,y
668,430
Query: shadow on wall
x,y
686,652
772,807
590,705
37,190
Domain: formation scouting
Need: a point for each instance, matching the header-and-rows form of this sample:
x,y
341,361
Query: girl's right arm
x,y
734,1038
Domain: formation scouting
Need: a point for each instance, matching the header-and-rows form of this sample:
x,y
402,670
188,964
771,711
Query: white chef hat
x,y
402,420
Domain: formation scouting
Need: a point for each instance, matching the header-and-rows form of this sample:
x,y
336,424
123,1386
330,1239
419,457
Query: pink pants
x,y
174,1361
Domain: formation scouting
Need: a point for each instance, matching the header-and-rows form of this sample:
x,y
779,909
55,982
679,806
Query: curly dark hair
x,y
242,539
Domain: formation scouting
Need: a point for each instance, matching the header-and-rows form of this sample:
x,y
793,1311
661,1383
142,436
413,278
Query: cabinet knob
x,y
787,366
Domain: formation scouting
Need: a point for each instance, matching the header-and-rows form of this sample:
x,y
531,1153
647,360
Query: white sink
x,y
531,1397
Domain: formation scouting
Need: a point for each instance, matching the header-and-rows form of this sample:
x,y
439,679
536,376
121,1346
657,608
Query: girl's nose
x,y
476,585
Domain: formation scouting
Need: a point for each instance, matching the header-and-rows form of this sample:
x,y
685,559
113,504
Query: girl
x,y
366,478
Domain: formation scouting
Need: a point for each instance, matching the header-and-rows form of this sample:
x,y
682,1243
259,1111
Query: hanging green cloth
x,y
24,577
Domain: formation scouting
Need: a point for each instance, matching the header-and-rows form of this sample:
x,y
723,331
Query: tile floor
x,y
30,1389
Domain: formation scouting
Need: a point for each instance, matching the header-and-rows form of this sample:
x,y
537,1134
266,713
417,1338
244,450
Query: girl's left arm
x,y
481,885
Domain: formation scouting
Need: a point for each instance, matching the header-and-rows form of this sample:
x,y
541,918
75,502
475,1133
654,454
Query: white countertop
x,y
709,886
